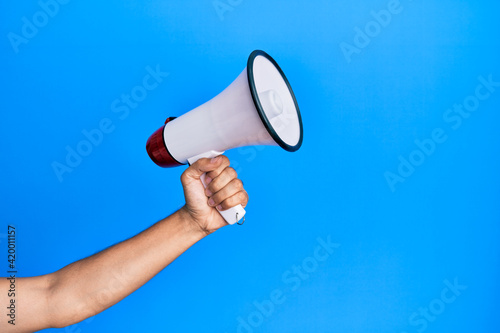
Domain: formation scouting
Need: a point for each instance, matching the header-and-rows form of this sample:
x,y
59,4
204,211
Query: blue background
x,y
396,247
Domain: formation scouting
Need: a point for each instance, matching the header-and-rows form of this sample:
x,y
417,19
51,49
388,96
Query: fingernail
x,y
208,193
215,159
207,180
219,207
211,202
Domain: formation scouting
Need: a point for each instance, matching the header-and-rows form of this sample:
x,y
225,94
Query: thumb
x,y
200,167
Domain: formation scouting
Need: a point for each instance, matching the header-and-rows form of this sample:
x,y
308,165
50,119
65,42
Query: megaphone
x,y
258,108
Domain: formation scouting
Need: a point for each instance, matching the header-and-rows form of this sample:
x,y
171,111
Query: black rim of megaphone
x,y
258,105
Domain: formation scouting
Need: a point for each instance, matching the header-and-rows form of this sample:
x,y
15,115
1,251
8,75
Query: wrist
x,y
191,224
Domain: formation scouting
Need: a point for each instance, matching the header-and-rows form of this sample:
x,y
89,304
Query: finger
x,y
219,182
200,167
227,191
217,171
240,198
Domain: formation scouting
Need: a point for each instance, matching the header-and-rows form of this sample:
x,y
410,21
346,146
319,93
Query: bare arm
x,y
91,285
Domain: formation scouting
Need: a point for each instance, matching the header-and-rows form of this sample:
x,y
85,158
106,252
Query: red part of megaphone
x,y
157,150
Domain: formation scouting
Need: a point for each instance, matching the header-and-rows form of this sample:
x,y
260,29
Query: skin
x,y
91,285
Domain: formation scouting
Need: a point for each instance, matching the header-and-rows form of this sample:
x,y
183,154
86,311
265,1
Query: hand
x,y
224,190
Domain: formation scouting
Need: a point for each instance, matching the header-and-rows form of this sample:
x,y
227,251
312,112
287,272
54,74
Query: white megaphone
x,y
258,108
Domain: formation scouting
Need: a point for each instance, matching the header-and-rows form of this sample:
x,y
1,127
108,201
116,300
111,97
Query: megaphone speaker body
x,y
258,108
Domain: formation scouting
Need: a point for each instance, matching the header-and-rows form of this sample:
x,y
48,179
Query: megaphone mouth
x,y
259,105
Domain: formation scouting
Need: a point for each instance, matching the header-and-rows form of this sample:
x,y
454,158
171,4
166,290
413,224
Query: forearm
x,y
91,285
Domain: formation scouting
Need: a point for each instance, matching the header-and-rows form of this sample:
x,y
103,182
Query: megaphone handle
x,y
233,214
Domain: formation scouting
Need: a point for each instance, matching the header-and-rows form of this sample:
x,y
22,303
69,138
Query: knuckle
x,y
242,197
231,173
225,160
238,183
